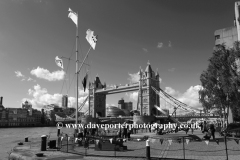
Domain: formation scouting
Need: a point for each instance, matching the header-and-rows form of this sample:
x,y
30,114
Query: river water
x,y
9,137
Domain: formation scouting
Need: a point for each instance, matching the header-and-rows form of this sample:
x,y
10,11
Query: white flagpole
x,y
77,70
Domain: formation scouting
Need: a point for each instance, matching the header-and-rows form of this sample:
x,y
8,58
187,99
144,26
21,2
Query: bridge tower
x,y
96,101
147,97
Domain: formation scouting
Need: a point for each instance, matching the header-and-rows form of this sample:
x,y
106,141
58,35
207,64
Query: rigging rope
x,y
65,78
67,69
71,83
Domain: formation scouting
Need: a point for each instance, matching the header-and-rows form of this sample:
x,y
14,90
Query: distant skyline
x,y
176,37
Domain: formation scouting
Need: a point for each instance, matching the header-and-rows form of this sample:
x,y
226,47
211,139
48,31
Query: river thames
x,y
10,137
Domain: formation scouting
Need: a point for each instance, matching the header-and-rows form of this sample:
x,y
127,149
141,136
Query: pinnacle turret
x,y
157,74
148,68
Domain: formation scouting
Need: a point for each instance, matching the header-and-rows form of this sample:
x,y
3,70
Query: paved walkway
x,y
193,150
200,150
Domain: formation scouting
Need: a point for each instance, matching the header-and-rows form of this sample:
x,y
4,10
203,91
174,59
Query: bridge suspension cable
x,y
185,105
168,100
176,102
80,107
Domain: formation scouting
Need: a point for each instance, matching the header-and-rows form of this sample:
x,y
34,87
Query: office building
x,y
229,35
65,101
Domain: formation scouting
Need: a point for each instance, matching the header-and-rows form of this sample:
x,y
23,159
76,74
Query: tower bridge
x,y
147,97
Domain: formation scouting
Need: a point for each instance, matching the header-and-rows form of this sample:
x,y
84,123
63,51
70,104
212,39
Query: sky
x,y
175,37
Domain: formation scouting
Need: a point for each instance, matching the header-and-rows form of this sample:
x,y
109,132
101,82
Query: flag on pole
x,y
237,141
161,140
84,82
110,140
97,141
207,141
170,141
179,140
92,40
73,16
59,62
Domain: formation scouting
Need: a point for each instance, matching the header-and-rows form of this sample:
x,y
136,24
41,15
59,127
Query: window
x,y
217,37
145,100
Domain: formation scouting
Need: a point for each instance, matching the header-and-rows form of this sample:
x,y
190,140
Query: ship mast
x,y
77,68
77,71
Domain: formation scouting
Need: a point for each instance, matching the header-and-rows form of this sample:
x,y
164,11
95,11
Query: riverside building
x,y
20,117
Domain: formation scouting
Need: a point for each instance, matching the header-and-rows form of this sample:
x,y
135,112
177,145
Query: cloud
x,y
23,77
82,93
30,79
45,74
19,74
144,49
160,45
133,96
189,97
172,69
172,91
169,44
133,77
41,97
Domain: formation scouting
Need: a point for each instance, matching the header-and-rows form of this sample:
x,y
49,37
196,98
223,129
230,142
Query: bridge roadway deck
x,y
119,89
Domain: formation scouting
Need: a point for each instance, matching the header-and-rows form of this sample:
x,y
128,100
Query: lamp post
x,y
200,97
227,107
175,110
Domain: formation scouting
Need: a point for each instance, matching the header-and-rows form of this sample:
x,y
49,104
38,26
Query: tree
x,y
221,81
